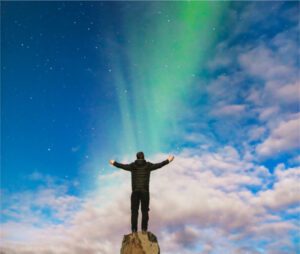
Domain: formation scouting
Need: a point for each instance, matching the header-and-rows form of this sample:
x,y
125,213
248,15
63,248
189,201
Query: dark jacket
x,y
140,172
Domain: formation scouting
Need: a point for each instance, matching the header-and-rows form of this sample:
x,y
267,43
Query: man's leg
x,y
145,199
134,210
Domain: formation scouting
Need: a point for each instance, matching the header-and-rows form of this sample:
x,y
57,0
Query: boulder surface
x,y
140,244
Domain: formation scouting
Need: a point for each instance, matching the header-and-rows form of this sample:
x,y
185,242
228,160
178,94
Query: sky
x,y
216,84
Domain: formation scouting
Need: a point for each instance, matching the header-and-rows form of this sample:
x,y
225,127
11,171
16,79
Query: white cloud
x,y
198,191
290,93
255,79
285,137
268,113
229,110
264,63
274,61
285,192
256,133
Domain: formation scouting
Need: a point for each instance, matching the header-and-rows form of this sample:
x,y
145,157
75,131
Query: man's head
x,y
140,155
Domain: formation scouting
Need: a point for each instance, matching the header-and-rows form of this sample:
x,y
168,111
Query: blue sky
x,y
54,94
72,99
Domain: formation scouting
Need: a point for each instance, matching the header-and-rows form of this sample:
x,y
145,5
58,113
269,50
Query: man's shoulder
x,y
143,167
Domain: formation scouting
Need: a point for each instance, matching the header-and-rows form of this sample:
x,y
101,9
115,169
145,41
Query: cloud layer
x,y
198,203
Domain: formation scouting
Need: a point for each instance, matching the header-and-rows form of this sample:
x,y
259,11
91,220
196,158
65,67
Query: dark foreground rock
x,y
140,244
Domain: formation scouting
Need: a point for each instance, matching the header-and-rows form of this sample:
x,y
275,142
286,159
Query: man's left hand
x,y
171,157
112,162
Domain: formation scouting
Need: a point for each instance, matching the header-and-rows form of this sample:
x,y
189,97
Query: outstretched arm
x,y
120,165
154,166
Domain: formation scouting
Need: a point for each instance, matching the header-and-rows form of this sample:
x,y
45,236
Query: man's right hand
x,y
111,162
171,157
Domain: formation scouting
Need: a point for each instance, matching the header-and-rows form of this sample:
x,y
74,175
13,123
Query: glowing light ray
x,y
164,50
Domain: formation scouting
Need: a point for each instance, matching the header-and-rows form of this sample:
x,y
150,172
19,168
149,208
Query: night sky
x,y
56,84
213,83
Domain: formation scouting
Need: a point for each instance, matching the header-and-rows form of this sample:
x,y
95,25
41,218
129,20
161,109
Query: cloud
x,y
199,191
290,93
263,62
256,80
274,62
285,137
229,110
268,113
186,237
256,133
285,192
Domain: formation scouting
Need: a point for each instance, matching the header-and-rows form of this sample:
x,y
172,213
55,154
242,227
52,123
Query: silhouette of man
x,y
140,176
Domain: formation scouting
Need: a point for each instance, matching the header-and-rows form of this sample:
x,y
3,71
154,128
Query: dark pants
x,y
136,198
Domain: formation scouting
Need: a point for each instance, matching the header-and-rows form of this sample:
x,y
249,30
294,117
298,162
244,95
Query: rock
x,y
140,244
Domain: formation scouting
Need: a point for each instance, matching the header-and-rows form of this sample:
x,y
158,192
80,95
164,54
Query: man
x,y
140,176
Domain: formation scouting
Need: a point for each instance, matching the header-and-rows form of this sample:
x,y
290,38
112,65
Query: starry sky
x,y
83,71
215,84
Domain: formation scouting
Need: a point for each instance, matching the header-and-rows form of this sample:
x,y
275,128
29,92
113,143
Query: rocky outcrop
x,y
140,244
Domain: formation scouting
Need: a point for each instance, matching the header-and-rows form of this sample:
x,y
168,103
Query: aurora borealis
x,y
214,83
162,55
